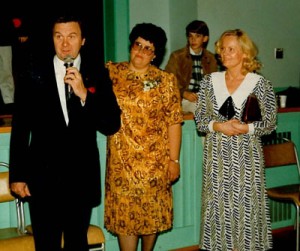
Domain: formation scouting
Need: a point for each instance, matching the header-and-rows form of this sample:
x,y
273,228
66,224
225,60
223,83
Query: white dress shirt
x,y
60,72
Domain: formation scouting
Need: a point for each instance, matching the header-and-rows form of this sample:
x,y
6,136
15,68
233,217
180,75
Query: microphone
x,y
68,62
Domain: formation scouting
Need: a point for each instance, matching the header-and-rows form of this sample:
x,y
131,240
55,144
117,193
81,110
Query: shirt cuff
x,y
210,126
251,128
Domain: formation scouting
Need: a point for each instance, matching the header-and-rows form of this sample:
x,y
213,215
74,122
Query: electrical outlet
x,y
278,53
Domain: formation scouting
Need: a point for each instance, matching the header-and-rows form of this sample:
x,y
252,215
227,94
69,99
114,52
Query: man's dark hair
x,y
70,18
197,26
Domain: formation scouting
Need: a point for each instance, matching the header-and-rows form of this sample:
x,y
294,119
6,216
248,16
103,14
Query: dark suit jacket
x,y
8,36
51,157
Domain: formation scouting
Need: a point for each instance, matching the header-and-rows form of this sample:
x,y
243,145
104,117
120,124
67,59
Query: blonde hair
x,y
251,63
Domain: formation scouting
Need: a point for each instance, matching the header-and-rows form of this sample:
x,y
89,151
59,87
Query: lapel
x,y
51,98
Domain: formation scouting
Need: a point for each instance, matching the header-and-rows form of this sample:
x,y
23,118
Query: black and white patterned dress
x,y
235,211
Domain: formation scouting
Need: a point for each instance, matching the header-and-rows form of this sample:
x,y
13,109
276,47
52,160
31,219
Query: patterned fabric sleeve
x,y
267,100
204,113
173,108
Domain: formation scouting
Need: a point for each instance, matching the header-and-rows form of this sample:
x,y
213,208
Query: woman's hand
x,y
242,127
174,171
190,96
231,127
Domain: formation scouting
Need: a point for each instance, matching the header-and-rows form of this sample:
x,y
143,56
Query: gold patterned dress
x,y
138,193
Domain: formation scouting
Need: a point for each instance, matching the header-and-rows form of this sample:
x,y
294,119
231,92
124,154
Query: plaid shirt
x,y
197,73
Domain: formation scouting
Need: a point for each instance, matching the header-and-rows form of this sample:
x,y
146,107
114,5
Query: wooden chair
x,y
13,238
283,155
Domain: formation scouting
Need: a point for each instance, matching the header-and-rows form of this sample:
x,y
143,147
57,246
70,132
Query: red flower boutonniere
x,y
92,89
17,22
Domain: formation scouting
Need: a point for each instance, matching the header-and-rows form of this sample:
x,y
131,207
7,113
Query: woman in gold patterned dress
x,y
143,156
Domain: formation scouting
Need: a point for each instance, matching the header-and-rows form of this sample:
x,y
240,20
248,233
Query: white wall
x,y
150,11
171,15
270,23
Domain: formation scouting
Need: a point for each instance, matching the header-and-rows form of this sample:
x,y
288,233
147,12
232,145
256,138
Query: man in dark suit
x,y
54,158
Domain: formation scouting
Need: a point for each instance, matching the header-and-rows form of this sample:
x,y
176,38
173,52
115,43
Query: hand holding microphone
x,y
73,80
68,62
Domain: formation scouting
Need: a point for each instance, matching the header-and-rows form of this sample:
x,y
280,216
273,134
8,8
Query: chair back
x,y
280,154
5,195
284,154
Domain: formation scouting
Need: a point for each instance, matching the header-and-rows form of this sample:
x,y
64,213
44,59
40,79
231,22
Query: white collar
x,y
240,94
193,53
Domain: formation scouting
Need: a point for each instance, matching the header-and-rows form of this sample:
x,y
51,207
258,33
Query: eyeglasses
x,y
147,50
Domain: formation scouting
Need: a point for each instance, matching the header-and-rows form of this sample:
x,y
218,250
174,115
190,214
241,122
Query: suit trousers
x,y
55,216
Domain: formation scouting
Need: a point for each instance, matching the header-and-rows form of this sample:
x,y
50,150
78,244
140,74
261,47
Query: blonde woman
x,y
235,213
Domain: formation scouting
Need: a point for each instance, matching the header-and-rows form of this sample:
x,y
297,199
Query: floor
x,y
283,240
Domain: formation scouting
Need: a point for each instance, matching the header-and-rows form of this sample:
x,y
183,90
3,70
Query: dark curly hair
x,y
155,35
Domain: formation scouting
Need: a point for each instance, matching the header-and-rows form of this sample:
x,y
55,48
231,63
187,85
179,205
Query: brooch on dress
x,y
150,84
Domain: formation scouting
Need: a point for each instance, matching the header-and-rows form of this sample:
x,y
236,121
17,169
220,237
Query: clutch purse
x,y
251,110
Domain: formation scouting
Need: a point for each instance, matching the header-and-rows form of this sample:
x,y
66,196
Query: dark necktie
x,y
227,109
